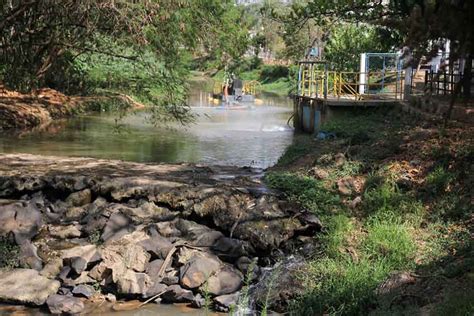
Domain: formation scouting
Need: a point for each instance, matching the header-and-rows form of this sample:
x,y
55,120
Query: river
x,y
255,136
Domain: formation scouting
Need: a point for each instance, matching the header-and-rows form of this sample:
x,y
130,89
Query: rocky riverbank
x,y
82,231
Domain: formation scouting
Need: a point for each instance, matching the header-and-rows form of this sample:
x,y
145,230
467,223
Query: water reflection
x,y
254,136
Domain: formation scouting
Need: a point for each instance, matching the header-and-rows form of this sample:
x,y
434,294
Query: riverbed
x,y
255,135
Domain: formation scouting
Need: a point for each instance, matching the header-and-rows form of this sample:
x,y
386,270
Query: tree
x,y
39,39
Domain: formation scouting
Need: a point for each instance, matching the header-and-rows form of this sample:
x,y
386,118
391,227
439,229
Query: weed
x,y
438,180
301,146
304,190
9,254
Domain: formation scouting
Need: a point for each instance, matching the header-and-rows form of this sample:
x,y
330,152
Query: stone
x,y
339,159
319,173
64,232
80,198
224,303
83,278
99,272
84,290
170,279
131,282
29,256
245,263
168,229
52,269
158,246
176,294
75,213
198,301
23,219
155,289
62,304
226,281
355,202
117,226
198,269
231,248
153,267
350,185
395,282
79,257
199,235
125,256
26,286
110,297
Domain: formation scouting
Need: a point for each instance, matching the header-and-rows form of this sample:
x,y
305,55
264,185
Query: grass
x,y
419,228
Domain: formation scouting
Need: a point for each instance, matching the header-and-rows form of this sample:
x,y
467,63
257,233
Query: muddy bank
x,y
88,230
40,107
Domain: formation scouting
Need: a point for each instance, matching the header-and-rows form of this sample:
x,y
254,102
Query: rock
x,y
75,213
155,289
339,159
227,280
395,282
176,294
265,235
355,202
245,263
153,267
79,257
319,173
158,246
168,229
26,286
29,256
131,282
99,272
83,278
230,249
350,185
117,226
170,279
125,256
84,290
110,297
224,303
198,269
62,304
80,198
23,219
63,232
199,235
198,301
52,269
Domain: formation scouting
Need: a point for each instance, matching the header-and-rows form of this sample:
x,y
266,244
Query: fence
x,y
350,85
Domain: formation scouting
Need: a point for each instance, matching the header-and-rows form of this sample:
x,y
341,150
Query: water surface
x,y
254,136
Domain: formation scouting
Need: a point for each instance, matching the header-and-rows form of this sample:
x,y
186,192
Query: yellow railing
x,y
249,87
351,85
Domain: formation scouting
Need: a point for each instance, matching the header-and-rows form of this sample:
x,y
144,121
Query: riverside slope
x,y
107,229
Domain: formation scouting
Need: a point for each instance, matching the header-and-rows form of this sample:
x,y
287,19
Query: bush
x,y
270,73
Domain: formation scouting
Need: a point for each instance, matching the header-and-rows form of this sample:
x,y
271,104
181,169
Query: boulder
x,y
23,219
84,290
224,303
26,286
155,289
230,249
80,198
158,246
131,282
225,281
198,269
168,229
124,256
75,213
52,268
199,235
176,294
79,257
62,304
64,232
117,226
153,267
29,256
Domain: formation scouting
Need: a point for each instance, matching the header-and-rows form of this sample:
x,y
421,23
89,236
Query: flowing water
x,y
254,136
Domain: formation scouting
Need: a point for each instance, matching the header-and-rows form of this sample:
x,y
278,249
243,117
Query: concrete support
x,y
363,74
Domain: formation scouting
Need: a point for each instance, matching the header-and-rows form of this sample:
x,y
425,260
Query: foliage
x,y
79,46
9,254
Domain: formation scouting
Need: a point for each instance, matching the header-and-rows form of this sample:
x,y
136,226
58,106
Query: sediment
x,y
90,230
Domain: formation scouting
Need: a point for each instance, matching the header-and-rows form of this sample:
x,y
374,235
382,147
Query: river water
x,y
254,136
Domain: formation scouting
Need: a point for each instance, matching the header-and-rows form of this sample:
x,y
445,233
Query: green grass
x,y
9,254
